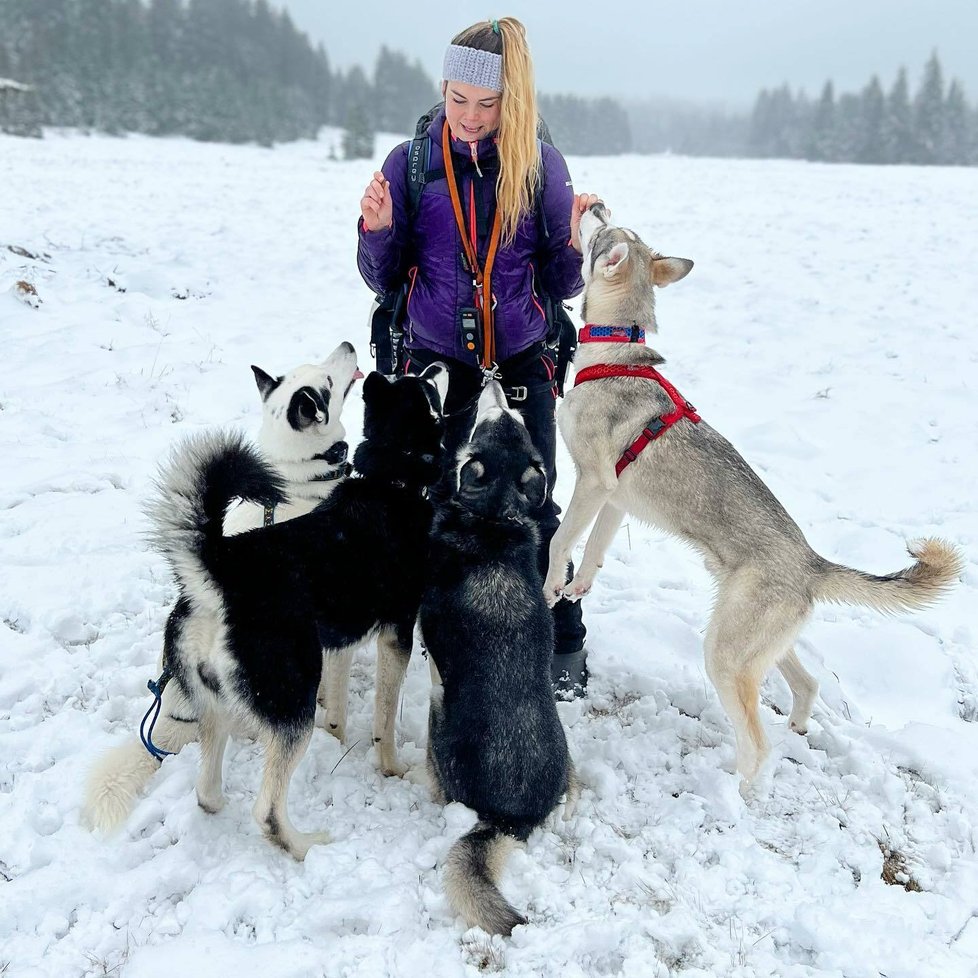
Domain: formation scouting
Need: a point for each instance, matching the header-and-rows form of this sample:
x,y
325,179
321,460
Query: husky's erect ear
x,y
616,258
437,376
377,386
266,383
665,271
533,483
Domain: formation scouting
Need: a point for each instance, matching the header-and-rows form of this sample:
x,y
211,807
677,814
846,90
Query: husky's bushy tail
x,y
193,490
937,566
474,864
121,774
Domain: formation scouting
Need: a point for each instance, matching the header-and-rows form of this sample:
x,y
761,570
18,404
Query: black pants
x,y
528,381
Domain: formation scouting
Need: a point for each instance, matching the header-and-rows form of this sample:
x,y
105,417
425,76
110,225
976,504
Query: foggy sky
x,y
702,50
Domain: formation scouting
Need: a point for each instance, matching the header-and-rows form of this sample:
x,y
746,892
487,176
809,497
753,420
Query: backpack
x,y
389,313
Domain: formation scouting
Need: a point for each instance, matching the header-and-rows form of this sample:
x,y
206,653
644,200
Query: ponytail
x,y
519,157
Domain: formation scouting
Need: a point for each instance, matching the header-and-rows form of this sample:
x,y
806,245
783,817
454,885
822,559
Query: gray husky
x,y
495,742
640,448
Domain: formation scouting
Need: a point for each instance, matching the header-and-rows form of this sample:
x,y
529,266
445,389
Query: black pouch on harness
x,y
387,318
561,339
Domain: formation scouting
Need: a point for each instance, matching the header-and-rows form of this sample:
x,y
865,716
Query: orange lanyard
x,y
481,278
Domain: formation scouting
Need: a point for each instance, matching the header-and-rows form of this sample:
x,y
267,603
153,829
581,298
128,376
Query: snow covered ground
x,y
828,329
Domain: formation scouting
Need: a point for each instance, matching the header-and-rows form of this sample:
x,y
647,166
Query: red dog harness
x,y
657,426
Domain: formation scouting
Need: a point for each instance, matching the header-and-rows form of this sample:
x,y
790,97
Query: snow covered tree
x,y
928,113
780,125
898,138
848,126
958,138
586,126
165,109
823,143
358,129
869,146
401,92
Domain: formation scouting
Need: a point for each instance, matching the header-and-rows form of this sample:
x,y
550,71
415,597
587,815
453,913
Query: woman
x,y
491,233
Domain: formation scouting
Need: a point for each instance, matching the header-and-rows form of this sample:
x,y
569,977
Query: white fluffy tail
x,y
120,775
473,866
938,565
116,780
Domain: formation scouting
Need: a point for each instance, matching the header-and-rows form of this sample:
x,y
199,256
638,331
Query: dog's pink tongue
x,y
358,374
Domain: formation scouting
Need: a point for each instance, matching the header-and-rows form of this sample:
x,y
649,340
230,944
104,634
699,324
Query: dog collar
x,y
658,425
611,334
341,472
333,455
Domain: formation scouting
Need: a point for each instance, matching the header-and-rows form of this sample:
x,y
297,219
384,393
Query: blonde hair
x,y
519,157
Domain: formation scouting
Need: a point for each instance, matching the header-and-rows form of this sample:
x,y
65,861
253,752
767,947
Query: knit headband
x,y
480,68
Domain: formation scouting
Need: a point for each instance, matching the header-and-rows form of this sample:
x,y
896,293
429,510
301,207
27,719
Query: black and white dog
x,y
278,595
302,436
495,741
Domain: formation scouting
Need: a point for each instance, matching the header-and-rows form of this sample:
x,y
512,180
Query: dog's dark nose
x,y
511,510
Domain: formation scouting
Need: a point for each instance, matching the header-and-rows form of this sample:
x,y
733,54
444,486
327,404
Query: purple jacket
x,y
428,252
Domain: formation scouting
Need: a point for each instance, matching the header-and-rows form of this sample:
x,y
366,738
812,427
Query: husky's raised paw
x,y
578,588
553,591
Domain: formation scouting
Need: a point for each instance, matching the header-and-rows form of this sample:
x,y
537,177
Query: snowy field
x,y
828,329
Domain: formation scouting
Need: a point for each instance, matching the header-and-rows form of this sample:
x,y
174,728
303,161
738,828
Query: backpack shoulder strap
x,y
419,172
419,160
419,157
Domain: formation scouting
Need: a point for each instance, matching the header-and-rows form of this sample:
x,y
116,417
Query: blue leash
x,y
156,688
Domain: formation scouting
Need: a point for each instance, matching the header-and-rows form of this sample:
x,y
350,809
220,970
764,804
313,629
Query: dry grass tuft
x,y
895,871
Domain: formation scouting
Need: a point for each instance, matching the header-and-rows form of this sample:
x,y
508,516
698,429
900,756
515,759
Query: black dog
x,y
495,742
351,568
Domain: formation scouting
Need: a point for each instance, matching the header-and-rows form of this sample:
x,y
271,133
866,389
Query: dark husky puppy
x,y
495,742
280,594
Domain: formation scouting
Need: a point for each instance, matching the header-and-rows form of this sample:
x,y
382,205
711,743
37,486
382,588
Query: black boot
x,y
568,672
568,667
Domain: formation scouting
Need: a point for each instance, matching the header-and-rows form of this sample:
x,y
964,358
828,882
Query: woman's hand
x,y
376,206
581,203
